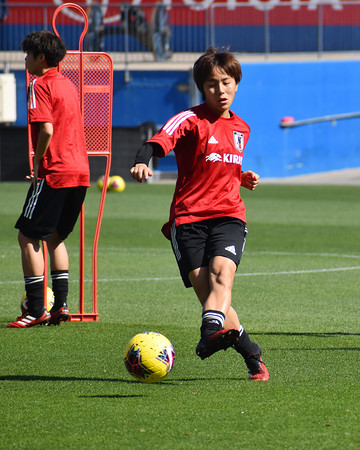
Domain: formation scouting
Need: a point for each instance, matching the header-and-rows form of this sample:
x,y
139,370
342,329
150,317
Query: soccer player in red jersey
x,y
207,223
59,180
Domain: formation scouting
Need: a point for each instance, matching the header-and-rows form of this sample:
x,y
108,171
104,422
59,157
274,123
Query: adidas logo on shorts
x,y
231,249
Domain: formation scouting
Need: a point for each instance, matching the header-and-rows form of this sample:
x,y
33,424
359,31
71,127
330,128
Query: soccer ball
x,y
100,183
149,357
116,184
50,299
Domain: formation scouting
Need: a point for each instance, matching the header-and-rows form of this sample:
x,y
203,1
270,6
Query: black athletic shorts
x,y
46,210
194,244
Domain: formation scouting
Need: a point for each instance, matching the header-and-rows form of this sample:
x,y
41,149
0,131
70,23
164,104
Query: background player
x,y
207,223
59,180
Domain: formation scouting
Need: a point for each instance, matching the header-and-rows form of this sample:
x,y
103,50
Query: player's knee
x,y
54,241
222,278
25,241
222,271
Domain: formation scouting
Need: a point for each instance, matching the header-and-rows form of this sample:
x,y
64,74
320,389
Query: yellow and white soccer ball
x,y
116,184
50,299
100,182
149,357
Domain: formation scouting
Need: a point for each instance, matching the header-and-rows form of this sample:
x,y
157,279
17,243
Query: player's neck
x,y
44,70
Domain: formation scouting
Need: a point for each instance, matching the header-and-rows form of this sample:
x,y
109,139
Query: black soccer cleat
x,y
221,340
256,367
60,315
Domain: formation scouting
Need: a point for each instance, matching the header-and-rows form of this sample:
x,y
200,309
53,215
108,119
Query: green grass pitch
x,y
296,291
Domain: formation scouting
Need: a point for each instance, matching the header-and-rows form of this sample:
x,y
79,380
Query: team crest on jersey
x,y
239,140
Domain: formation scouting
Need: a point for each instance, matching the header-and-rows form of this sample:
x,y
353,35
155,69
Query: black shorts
x,y
194,244
46,210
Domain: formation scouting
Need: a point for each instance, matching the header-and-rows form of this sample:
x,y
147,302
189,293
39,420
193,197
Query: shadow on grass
x,y
173,381
182,380
111,396
52,378
309,334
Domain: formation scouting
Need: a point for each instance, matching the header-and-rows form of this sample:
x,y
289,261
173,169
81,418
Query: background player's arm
x,y
45,135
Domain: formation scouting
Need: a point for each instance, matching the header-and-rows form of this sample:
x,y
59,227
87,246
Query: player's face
x,y
33,65
220,91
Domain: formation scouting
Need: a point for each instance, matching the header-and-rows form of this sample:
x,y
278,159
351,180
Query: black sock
x,y
60,286
212,321
245,346
34,287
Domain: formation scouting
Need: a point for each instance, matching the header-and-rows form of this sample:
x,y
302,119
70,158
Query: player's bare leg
x,y
201,285
221,278
59,259
31,256
33,268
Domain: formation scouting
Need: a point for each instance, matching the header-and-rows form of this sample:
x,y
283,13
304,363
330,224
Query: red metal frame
x,y
92,74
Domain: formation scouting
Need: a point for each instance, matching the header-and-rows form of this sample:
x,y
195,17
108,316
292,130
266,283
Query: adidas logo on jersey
x,y
231,249
212,140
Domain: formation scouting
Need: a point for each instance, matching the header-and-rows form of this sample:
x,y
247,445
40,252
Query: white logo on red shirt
x,y
212,140
226,157
232,159
214,157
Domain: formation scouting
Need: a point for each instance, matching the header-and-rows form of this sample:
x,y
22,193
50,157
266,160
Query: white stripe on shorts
x,y
33,200
174,241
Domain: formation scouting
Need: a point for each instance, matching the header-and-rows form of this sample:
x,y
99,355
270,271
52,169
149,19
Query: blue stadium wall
x,y
244,39
267,93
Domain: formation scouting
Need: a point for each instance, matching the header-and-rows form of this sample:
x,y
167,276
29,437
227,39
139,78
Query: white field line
x,y
333,255
247,253
256,274
149,250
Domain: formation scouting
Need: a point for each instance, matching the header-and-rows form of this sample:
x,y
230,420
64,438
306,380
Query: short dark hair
x,y
213,57
47,43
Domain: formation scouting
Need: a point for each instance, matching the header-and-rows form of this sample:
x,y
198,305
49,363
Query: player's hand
x,y
141,172
33,178
250,180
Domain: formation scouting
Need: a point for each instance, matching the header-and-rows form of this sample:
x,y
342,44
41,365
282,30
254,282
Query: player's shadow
x,y
53,379
24,378
176,381
111,396
322,334
309,334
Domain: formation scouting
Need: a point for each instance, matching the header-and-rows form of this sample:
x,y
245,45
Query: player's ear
x,y
41,58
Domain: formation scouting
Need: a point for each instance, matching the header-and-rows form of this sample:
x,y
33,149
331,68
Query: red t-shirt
x,y
209,151
53,98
